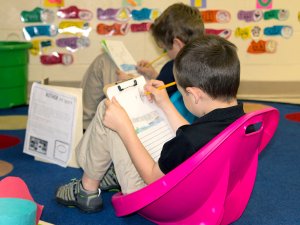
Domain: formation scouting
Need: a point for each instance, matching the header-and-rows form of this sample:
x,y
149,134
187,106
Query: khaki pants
x,y
102,71
99,147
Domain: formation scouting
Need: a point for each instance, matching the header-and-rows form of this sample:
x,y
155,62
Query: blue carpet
x,y
275,199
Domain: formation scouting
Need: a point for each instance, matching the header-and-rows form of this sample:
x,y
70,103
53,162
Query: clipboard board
x,y
150,123
120,55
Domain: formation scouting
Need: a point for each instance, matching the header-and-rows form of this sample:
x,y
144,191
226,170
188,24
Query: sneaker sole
x,y
75,204
115,188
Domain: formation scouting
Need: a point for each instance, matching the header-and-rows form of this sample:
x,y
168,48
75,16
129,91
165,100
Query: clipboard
x,y
150,123
120,56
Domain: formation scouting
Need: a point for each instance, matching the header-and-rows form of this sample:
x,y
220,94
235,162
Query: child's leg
x,y
102,71
99,147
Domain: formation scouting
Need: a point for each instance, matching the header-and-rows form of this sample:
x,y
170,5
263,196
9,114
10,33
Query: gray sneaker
x,y
73,194
110,182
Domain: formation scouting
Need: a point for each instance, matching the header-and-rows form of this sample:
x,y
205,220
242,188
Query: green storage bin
x,y
14,60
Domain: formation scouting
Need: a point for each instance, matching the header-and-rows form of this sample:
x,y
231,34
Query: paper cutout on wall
x,y
39,30
140,27
15,187
215,16
122,14
145,14
198,3
256,32
284,31
253,32
278,14
224,33
250,16
54,3
132,3
114,29
74,27
40,46
264,4
73,12
56,58
37,15
262,46
73,43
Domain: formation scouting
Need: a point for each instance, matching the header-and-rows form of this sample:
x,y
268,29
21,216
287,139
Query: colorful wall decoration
x,y
264,4
55,43
58,31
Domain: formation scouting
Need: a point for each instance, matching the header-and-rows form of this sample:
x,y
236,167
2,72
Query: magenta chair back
x,y
211,187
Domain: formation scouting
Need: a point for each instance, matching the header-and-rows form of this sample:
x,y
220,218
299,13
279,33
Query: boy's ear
x,y
196,93
178,43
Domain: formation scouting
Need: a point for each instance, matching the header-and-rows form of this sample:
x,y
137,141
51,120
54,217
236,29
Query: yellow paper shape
x,y
244,33
123,14
154,14
54,3
198,3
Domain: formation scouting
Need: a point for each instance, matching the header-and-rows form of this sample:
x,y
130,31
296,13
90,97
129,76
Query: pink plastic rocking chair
x,y
211,187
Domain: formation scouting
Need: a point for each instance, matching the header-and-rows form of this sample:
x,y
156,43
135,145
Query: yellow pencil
x,y
162,87
155,60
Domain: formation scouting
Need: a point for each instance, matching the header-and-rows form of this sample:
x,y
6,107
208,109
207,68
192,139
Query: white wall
x,y
280,69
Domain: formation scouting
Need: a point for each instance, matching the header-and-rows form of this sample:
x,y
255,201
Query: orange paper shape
x,y
132,2
114,29
262,46
215,16
15,187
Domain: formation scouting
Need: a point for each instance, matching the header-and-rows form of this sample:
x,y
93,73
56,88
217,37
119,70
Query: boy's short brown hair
x,y
210,63
177,21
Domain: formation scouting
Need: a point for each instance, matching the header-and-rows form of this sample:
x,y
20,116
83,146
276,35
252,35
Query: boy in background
x,y
175,27
207,74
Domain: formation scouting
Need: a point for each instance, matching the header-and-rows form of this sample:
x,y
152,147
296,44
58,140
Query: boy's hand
x,y
115,117
159,96
147,70
123,76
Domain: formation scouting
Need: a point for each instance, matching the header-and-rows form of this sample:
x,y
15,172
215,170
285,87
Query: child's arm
x,y
163,101
116,118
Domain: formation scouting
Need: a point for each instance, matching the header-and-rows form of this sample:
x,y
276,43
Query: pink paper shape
x,y
15,187
264,4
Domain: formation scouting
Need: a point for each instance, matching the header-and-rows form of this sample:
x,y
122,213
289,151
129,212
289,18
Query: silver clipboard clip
x,y
121,88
